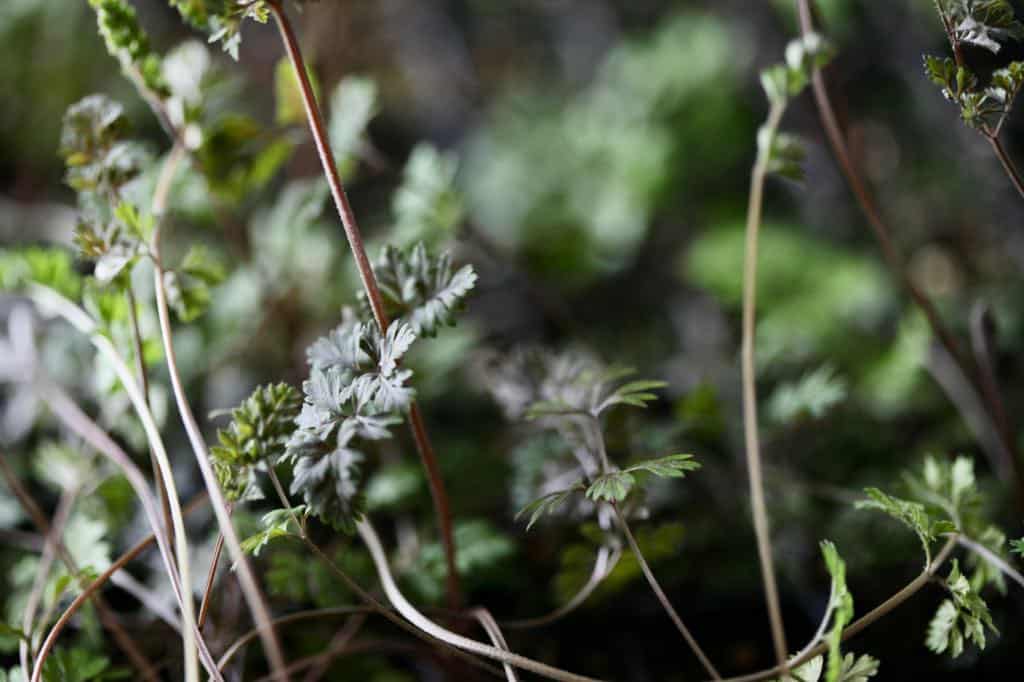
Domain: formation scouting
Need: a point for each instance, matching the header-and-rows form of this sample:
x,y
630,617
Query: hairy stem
x,y
410,613
883,609
369,281
662,598
50,301
890,253
750,427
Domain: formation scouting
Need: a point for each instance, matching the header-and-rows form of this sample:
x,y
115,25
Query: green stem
x,y
750,426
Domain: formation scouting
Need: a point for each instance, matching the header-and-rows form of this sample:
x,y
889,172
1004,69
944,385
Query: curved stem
x,y
750,427
356,588
820,632
890,253
299,616
49,300
603,566
140,367
410,613
369,282
1007,163
338,644
660,594
992,558
86,594
107,616
35,595
912,588
490,627
246,578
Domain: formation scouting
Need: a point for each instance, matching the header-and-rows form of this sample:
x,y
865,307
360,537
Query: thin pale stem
x,y
246,578
890,253
428,458
410,613
603,565
296,617
662,598
35,595
855,628
106,614
490,626
1007,163
992,558
140,368
820,632
52,302
355,587
750,426
335,647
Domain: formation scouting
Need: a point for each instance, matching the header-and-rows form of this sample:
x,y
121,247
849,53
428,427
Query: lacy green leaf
x,y
548,504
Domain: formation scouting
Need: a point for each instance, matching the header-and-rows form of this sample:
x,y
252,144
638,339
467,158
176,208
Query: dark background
x,y
603,150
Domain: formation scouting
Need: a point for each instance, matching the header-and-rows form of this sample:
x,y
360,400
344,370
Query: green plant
x,y
321,461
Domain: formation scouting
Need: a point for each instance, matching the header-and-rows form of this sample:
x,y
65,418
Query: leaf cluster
x,y
852,669
421,290
963,617
612,487
536,383
128,42
277,523
983,107
356,392
982,23
784,81
259,429
912,514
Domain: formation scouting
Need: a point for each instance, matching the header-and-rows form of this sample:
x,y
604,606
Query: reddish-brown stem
x,y
889,251
1008,165
369,281
106,614
86,594
210,577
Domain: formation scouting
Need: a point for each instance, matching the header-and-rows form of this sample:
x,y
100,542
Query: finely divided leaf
x,y
672,466
548,504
